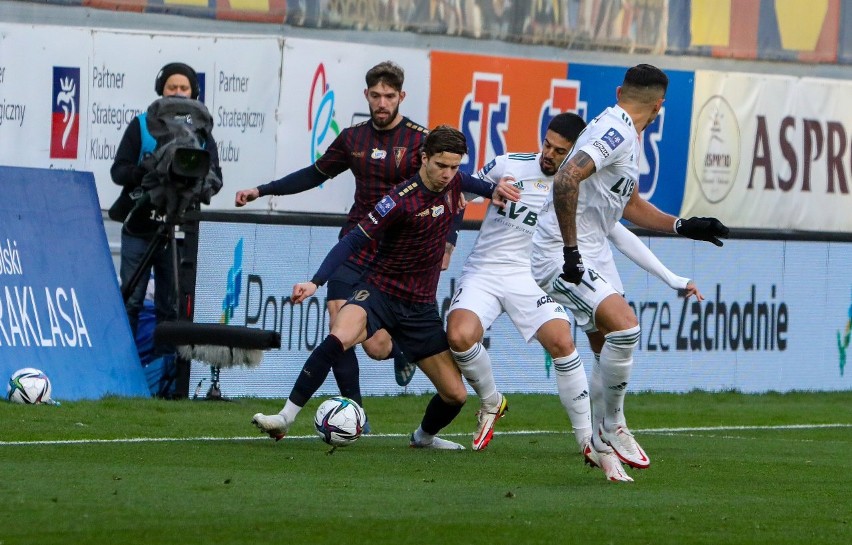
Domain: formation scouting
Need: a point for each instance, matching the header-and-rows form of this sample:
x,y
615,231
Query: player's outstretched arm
x,y
633,248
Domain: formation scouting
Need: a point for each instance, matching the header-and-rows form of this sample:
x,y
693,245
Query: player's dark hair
x,y
388,72
170,70
644,80
444,138
567,125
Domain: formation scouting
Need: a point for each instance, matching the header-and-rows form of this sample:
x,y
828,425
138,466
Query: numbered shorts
x,y
489,295
417,328
583,299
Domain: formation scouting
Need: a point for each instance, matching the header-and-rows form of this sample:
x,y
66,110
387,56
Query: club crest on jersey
x,y
612,138
385,205
541,186
378,154
398,154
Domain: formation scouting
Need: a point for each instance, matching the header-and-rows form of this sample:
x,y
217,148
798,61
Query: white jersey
x,y
613,144
505,236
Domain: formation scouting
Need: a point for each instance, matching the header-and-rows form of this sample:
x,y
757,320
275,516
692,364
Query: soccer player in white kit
x,y
572,262
496,278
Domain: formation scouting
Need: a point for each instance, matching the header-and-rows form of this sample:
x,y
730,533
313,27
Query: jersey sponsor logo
x,y
422,213
543,301
372,218
65,108
385,205
612,138
601,148
541,186
437,210
321,121
378,154
357,154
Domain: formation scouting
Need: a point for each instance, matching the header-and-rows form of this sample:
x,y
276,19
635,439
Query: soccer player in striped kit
x,y
381,153
397,293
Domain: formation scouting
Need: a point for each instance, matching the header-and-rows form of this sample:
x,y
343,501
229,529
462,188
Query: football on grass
x,y
339,421
28,387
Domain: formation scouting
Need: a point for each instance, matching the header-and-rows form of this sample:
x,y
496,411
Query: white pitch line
x,y
380,435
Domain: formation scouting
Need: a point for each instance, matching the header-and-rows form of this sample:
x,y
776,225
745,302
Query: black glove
x,y
572,269
707,229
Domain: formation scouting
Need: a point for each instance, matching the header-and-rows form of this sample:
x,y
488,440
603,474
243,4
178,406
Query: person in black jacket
x,y
174,79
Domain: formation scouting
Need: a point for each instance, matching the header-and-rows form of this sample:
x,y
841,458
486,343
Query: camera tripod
x,y
218,345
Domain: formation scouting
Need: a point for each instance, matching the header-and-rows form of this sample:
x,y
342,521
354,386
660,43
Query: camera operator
x,y
137,143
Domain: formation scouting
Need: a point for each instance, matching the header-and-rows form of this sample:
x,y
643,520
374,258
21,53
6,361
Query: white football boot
x,y
625,446
274,425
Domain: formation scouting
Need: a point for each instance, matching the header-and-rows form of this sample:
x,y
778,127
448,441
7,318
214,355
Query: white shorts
x,y
583,299
488,295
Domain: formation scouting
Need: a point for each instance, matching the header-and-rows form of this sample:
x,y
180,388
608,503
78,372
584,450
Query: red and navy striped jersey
x,y
379,160
411,224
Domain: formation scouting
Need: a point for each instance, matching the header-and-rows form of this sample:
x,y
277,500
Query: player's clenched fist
x,y
245,196
707,229
572,269
302,291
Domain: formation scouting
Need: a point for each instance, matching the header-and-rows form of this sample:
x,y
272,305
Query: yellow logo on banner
x,y
710,22
800,23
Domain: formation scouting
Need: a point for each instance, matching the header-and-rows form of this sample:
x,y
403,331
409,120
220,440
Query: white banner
x,y
771,152
768,323
322,93
67,94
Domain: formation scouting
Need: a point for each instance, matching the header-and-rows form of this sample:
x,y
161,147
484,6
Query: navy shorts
x,y
417,328
343,281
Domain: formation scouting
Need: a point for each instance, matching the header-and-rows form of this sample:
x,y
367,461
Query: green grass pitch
x,y
725,468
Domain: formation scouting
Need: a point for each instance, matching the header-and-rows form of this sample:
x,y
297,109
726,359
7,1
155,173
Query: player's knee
x,y
461,339
454,395
560,346
624,340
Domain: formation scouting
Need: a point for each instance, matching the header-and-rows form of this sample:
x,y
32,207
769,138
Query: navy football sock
x,y
438,415
346,373
316,369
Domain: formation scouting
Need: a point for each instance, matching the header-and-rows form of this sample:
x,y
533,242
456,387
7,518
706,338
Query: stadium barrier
x,y
60,306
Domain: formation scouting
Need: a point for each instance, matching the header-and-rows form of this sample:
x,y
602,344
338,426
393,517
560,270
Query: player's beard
x,y
381,124
548,168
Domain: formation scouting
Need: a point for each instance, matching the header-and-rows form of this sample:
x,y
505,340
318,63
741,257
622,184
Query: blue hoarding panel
x,y
60,306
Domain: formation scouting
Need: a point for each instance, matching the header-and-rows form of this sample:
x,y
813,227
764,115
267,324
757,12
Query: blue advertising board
x,y
61,310
665,141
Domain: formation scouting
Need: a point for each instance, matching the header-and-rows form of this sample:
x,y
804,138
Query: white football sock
x,y
475,366
616,364
574,394
422,437
596,393
290,411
